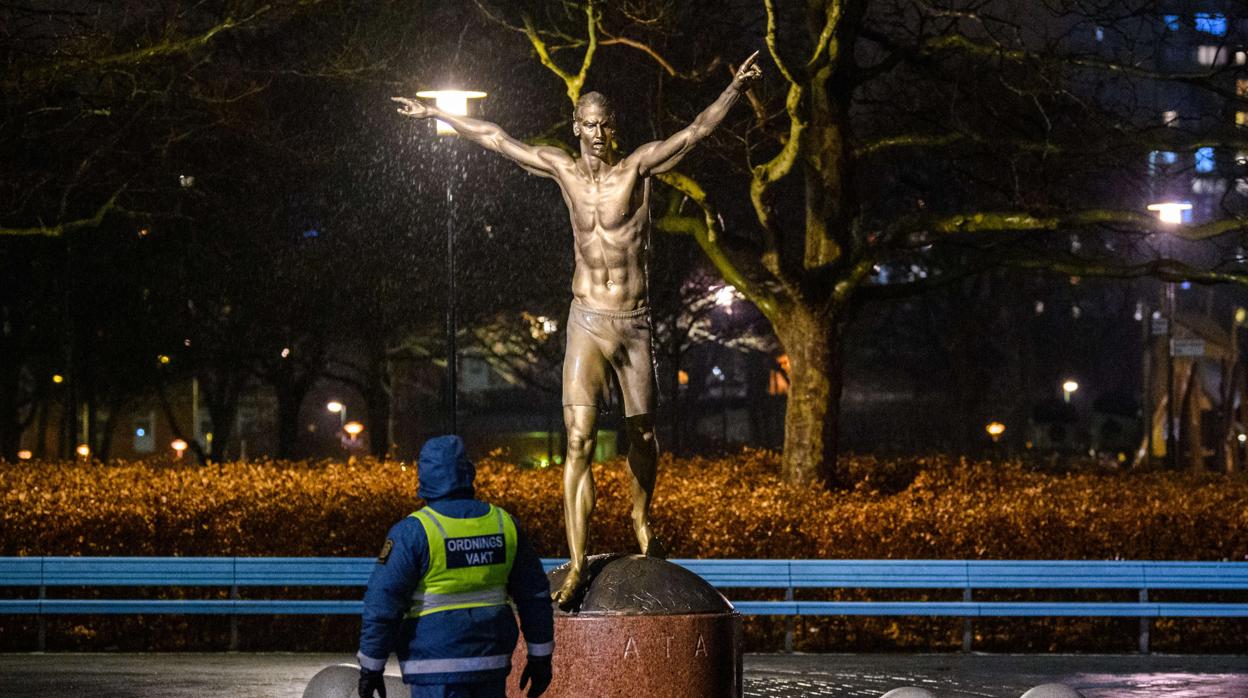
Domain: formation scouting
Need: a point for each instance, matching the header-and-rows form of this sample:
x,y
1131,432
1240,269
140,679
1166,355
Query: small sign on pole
x,y
1187,346
1160,326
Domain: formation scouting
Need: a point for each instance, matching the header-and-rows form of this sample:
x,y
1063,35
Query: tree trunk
x,y
288,405
10,423
812,414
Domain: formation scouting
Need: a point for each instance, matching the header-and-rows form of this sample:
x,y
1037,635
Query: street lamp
x,y
1170,213
1068,388
353,429
995,430
179,447
452,102
339,409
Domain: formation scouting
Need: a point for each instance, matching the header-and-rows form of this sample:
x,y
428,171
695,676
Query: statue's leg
x,y
643,465
578,494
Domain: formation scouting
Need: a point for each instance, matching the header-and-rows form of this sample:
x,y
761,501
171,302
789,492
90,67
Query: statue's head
x,y
593,123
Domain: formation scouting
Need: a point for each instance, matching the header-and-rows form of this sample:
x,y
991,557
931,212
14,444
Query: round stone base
x,y
644,627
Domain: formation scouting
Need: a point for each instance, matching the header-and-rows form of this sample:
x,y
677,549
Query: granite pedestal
x,y
642,627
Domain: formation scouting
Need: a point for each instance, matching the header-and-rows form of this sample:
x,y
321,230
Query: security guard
x,y
438,595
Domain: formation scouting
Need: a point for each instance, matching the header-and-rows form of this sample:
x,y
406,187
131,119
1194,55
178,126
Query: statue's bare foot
x,y
567,593
655,548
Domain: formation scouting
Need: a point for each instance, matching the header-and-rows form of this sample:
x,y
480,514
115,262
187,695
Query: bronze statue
x,y
608,323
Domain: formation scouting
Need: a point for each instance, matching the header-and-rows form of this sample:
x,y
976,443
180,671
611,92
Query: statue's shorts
x,y
601,338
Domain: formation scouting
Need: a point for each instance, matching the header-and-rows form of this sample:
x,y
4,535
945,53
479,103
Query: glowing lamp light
x,y
1241,316
163,359
178,446
1170,211
1068,388
452,102
1242,438
27,455
58,379
353,429
725,296
83,450
995,430
335,406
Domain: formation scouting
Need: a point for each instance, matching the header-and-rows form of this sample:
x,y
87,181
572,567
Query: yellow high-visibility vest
x,y
469,561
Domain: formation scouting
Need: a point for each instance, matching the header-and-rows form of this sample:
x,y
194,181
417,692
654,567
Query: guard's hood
x,y
444,469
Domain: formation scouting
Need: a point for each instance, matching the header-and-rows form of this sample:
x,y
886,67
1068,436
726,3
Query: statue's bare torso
x,y
609,220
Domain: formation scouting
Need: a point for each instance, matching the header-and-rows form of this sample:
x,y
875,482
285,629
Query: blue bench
x,y
235,573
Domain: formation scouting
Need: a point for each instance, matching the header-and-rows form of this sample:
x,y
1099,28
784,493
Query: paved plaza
x,y
108,675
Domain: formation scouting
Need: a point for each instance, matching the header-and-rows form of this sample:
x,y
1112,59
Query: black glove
x,y
537,670
371,681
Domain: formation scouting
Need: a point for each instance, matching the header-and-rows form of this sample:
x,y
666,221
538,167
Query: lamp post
x,y
1069,387
452,102
1170,213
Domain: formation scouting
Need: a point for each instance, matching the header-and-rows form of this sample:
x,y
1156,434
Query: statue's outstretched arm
x,y
660,156
540,160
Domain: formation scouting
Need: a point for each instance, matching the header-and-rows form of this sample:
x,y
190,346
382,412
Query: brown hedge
x,y
735,507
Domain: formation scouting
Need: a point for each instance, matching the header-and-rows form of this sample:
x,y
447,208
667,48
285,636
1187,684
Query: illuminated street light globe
x,y
1170,211
24,455
353,429
995,430
335,406
1070,386
83,450
450,101
179,446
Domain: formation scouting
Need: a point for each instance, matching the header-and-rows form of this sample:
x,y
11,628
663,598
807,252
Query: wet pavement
x,y
108,675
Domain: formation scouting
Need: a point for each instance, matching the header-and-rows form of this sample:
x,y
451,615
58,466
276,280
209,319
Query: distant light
x,y
311,233
452,102
140,432
725,295
1241,314
353,429
995,430
1211,23
285,352
1242,438
1185,285
717,372
186,342
549,325
178,445
1070,386
682,377
186,181
1039,307
1170,211
83,450
1172,22
163,359
58,378
24,455
144,232
1139,311
335,406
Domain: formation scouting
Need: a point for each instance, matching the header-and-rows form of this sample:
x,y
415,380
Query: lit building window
x,y
1208,186
1159,161
1211,55
1211,23
778,382
1204,160
1172,22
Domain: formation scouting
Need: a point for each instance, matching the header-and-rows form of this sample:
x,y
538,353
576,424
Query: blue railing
x,y
237,573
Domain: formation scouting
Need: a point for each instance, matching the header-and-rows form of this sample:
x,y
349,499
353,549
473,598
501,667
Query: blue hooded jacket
x,y
446,477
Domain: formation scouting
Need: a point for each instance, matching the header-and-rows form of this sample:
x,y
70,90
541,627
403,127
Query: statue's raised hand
x,y
413,108
749,71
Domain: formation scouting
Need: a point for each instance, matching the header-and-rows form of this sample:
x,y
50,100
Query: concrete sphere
x,y
342,681
1052,690
909,692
